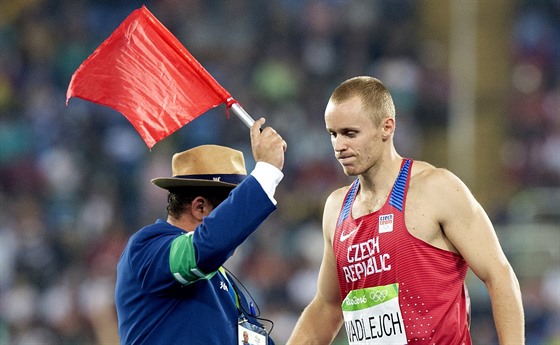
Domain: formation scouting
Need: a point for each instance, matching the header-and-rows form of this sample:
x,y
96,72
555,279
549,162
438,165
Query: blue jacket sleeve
x,y
229,224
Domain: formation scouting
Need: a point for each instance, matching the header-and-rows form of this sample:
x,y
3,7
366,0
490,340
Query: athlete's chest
x,y
366,204
365,233
366,248
415,219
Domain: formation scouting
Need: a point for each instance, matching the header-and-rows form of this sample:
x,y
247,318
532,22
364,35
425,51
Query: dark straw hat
x,y
205,166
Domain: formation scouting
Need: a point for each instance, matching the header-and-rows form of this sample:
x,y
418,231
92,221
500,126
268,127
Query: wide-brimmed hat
x,y
205,166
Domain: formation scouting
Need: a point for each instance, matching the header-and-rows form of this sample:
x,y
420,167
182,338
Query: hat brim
x,y
174,182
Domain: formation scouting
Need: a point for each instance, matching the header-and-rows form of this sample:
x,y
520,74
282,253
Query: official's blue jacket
x,y
153,307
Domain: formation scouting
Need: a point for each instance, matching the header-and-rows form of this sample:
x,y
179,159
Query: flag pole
x,y
242,114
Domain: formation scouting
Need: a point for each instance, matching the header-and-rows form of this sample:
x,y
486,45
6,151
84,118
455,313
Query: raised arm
x,y
467,226
321,320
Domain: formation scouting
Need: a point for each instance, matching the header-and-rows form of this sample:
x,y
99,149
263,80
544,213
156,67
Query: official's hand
x,y
267,145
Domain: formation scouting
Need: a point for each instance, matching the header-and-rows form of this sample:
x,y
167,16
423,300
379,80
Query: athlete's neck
x,y
382,174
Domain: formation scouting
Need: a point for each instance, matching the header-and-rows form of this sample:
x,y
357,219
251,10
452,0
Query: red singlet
x,y
377,257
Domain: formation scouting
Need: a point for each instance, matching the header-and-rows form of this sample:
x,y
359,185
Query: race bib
x,y
372,316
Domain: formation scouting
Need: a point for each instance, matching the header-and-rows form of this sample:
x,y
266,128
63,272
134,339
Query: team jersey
x,y
396,288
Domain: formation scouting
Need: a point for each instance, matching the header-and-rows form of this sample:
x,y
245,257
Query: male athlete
x,y
399,240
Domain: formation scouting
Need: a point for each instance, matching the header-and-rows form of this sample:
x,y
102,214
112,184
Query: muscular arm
x,y
322,318
469,229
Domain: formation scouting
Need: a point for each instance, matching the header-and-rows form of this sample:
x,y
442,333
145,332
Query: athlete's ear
x,y
388,127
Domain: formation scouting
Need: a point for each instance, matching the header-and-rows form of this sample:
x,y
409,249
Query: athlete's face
x,y
355,138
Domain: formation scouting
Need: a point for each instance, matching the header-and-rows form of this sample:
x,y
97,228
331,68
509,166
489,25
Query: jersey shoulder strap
x,y
348,200
397,194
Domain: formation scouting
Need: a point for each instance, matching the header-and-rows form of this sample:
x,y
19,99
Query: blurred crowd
x,y
74,181
532,151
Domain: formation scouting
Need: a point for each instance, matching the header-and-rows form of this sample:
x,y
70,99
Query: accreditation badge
x,y
250,334
372,316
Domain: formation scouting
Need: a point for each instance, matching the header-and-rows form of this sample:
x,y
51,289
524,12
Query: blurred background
x,y
476,87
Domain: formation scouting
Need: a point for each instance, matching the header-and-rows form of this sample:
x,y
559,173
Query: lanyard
x,y
231,290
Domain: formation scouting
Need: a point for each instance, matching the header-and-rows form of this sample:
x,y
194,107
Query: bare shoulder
x,y
441,189
436,198
332,210
430,179
336,197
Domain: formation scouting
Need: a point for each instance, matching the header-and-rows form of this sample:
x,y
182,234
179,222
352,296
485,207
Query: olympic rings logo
x,y
378,296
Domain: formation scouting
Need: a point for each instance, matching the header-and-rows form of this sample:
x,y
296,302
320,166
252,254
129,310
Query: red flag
x,y
146,74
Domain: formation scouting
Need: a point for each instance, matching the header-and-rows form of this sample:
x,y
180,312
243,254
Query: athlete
x,y
399,240
171,285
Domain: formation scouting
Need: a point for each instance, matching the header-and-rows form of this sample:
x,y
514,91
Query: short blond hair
x,y
376,99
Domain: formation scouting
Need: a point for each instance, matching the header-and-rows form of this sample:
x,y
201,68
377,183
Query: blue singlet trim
x,y
347,207
397,195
